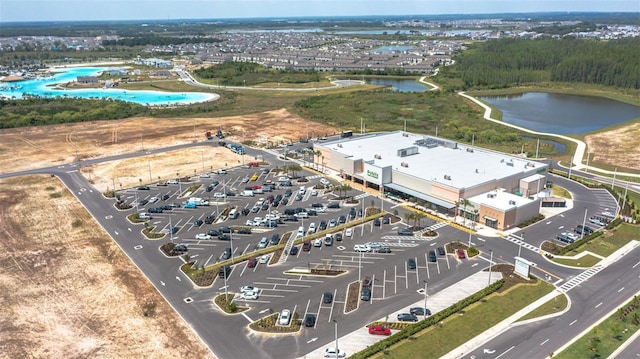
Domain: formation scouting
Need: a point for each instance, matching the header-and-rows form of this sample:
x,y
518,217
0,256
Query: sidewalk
x,y
361,339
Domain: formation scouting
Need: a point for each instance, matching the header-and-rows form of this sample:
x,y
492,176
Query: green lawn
x,y
434,342
561,192
607,336
555,305
586,261
610,242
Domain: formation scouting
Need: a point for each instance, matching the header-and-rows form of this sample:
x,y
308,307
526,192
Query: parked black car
x,y
197,222
293,251
209,219
165,197
244,230
224,271
407,317
155,210
144,188
310,321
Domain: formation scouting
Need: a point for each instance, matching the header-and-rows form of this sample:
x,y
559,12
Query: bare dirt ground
x,y
35,147
67,291
618,147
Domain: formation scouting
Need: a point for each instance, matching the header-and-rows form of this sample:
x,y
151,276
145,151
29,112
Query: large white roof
x,y
466,166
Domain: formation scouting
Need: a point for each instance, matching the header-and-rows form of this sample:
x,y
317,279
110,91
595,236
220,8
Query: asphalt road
x,y
590,301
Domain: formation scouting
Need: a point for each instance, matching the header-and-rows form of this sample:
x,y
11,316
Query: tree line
x,y
159,41
507,62
248,73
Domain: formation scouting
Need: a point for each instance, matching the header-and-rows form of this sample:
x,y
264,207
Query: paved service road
x,y
590,301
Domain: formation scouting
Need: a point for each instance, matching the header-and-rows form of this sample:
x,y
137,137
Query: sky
x,y
91,10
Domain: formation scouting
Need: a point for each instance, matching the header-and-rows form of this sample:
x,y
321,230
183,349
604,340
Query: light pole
x,y
490,265
231,240
425,299
470,231
570,164
335,322
519,244
179,184
170,230
584,222
360,267
149,163
586,169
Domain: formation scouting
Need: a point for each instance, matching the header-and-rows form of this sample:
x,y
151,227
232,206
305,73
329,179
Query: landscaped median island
x,y
204,276
270,324
446,330
226,304
607,336
555,305
353,296
585,252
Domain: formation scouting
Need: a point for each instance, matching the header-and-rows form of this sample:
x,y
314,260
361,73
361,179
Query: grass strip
x,y
456,330
607,336
555,305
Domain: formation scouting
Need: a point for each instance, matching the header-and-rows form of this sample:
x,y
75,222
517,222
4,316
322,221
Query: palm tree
x,y
295,168
409,216
317,154
465,202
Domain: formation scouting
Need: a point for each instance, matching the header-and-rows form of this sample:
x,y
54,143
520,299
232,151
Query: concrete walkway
x,y
361,339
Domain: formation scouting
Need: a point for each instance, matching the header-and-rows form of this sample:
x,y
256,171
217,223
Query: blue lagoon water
x,y
44,88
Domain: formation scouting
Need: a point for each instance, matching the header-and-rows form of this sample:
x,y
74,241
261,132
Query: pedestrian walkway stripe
x,y
580,278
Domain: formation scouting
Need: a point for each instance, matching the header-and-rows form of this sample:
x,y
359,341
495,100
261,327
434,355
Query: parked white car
x,y
219,195
203,236
331,353
250,294
285,317
361,248
153,199
204,175
348,232
324,181
265,259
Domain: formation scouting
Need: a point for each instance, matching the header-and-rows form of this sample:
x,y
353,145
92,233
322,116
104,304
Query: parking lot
x,y
372,250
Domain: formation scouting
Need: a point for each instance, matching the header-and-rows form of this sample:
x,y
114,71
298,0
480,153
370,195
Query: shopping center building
x,y
489,187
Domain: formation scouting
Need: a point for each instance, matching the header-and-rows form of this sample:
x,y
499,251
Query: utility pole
x,y
538,148
613,183
519,244
584,222
490,265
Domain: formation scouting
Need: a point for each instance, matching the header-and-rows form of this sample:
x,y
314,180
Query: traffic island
x,y
269,324
226,304
201,277
150,234
353,294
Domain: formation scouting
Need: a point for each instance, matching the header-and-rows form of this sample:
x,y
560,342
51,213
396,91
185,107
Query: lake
x,y
562,114
43,88
399,85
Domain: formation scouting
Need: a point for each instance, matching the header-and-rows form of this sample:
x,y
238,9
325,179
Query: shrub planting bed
x,y
353,295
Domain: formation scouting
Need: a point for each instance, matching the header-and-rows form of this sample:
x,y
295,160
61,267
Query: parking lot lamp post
x,y
335,322
149,163
425,299
360,267
226,291
231,240
470,231
136,202
520,244
170,230
584,222
490,265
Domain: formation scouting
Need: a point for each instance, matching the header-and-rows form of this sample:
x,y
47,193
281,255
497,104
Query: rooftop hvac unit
x,y
377,157
405,134
339,145
447,177
510,164
491,195
477,171
404,164
469,149
512,202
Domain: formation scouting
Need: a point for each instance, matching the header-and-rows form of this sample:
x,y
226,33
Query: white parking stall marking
x,y
384,283
108,217
373,283
208,260
137,247
333,303
438,265
395,280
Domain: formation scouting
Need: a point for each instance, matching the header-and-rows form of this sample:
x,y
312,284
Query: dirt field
x,y
619,147
35,147
67,291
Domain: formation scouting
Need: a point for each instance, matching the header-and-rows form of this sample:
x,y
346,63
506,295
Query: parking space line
x,y
306,310
384,283
373,284
437,265
406,277
447,258
395,280
333,303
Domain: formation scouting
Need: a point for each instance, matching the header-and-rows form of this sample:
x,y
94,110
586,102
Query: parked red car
x,y
306,246
461,254
379,330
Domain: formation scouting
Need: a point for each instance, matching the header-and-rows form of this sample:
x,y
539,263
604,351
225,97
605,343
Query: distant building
x,y
87,79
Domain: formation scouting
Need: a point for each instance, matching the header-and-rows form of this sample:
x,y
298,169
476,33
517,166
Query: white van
x,y
144,215
302,190
247,193
233,214
300,232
